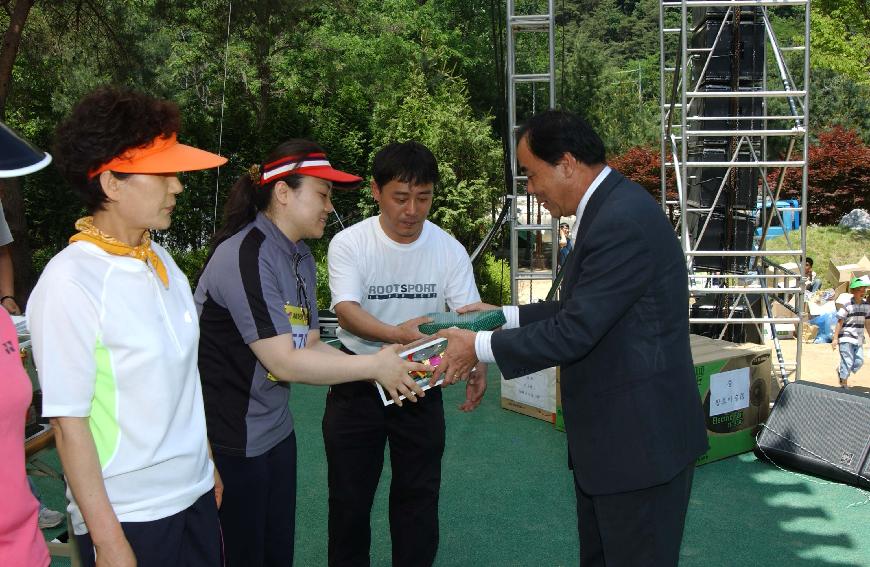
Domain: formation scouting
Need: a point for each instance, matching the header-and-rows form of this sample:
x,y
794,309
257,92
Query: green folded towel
x,y
474,321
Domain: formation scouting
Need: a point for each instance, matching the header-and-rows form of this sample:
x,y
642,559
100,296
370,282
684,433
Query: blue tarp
x,y
825,322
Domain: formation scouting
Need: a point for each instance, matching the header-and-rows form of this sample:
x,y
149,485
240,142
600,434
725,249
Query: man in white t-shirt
x,y
385,274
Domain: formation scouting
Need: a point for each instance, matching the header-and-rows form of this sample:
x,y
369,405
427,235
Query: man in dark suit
x,y
620,333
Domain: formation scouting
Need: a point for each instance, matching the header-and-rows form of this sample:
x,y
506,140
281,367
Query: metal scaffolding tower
x,y
534,244
733,122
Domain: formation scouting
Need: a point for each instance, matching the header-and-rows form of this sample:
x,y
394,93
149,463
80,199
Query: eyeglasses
x,y
301,287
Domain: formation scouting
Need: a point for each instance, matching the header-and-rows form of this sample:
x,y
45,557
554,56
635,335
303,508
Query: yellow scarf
x,y
89,233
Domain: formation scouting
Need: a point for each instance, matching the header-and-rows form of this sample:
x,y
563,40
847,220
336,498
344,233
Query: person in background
x,y
21,542
115,337
566,243
853,319
812,280
259,331
48,518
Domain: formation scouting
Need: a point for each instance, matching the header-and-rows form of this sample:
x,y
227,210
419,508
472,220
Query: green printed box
x,y
734,383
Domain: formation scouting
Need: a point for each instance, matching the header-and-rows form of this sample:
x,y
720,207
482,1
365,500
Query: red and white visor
x,y
313,165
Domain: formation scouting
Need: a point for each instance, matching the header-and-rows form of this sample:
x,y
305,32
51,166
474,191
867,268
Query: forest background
x,y
356,74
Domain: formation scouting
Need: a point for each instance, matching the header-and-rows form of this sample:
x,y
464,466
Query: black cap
x,y
18,157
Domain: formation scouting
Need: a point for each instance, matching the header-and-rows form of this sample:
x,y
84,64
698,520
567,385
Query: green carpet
x,y
507,499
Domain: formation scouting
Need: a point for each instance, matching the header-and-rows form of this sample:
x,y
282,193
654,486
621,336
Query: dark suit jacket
x,y
620,332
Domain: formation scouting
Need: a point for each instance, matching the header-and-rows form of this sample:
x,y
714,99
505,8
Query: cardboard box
x,y
784,280
783,330
817,309
735,384
844,273
533,395
810,333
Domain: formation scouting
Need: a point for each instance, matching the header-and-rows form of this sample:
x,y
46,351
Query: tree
x,y
469,159
839,176
836,43
11,42
643,165
10,190
839,100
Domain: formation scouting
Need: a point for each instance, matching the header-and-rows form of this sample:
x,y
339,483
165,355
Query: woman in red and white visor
x,y
115,339
259,332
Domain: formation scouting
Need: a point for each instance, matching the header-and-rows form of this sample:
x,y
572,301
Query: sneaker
x,y
50,518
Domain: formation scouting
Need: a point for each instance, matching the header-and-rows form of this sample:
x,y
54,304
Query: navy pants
x,y
190,538
641,527
356,428
258,513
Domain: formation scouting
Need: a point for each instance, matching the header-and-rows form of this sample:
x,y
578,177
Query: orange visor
x,y
161,155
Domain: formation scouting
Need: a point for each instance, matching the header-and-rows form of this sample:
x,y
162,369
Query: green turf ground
x,y
507,500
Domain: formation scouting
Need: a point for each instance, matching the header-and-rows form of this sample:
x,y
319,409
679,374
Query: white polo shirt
x,y
112,344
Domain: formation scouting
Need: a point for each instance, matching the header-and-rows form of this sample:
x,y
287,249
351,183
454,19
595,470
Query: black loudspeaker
x,y
699,15
703,183
751,50
712,307
820,430
716,237
706,112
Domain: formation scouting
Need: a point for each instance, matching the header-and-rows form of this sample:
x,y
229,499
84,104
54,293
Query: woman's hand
x,y
116,553
393,374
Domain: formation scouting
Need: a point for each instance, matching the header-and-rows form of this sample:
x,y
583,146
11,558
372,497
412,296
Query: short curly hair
x,y
103,125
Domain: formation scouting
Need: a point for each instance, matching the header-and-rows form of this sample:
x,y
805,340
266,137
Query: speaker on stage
x,y
700,15
717,236
714,307
750,53
718,114
820,430
739,192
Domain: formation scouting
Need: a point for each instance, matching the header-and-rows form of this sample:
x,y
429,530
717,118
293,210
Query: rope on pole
x,y
217,181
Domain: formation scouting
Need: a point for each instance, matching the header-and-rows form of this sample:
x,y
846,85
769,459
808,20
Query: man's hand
x,y
459,358
475,388
11,306
392,373
409,331
479,306
218,487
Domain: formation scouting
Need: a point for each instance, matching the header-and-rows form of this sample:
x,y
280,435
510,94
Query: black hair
x,y
810,261
553,133
406,162
103,125
247,197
